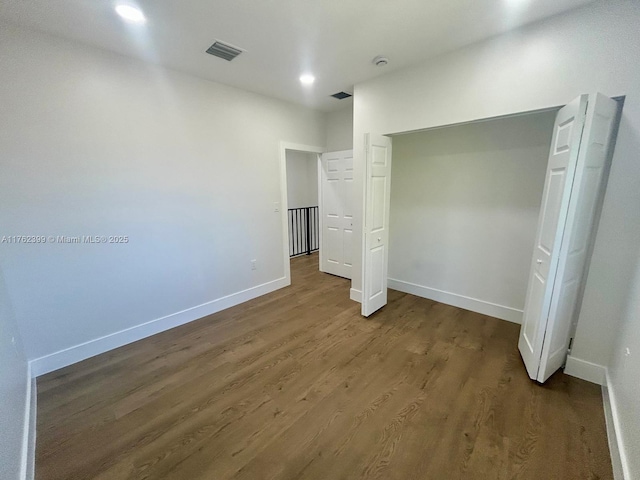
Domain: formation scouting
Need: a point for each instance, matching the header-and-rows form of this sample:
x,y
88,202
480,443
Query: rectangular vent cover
x,y
341,95
223,50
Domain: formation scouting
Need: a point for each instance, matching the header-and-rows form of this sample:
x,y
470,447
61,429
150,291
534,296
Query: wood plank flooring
x,y
297,385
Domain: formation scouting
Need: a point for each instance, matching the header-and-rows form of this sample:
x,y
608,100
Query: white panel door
x,y
576,174
376,223
563,158
336,210
588,190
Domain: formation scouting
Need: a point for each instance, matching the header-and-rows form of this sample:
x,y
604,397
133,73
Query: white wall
x,y
546,64
92,143
464,210
302,179
340,129
624,377
14,391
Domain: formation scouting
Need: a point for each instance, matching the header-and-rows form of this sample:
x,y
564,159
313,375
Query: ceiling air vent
x,y
224,50
341,95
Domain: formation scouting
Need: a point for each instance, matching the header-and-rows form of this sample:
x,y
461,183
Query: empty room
x,y
331,240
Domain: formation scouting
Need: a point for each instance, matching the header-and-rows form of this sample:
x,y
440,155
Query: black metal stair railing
x,y
303,231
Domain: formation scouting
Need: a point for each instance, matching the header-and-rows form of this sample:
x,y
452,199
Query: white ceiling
x,y
334,39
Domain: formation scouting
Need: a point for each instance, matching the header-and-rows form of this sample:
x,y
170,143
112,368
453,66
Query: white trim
x,y
31,449
320,215
77,353
284,202
474,304
612,437
591,372
616,445
28,450
355,295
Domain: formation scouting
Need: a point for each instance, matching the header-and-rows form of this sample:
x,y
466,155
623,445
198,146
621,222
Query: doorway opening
x,y
303,217
454,223
317,208
300,212
465,201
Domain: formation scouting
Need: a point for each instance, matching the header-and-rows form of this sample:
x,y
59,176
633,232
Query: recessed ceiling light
x,y
130,13
307,79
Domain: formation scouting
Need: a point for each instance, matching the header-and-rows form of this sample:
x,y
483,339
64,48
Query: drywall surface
x,y
95,144
302,179
464,207
624,375
340,129
14,384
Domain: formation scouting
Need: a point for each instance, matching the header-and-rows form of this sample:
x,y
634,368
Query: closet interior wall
x,y
465,201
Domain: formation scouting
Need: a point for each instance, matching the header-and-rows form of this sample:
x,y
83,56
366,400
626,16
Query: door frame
x,y
284,146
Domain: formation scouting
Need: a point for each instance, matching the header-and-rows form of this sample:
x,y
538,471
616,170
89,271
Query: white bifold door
x,y
376,223
336,211
574,185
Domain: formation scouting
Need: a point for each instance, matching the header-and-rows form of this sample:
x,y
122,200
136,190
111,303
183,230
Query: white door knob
x,y
379,239
538,261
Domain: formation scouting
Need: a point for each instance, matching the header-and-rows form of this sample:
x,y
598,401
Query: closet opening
x,y
464,207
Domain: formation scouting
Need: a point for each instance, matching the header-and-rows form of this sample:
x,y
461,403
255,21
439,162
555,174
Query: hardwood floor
x,y
297,385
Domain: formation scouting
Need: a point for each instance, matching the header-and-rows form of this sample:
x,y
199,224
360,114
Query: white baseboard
x,y
355,295
618,457
77,353
31,449
474,304
612,435
28,457
591,372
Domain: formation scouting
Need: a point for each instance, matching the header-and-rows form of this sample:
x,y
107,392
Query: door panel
x,y
536,294
563,138
348,247
376,223
588,191
376,284
336,207
332,245
578,166
378,185
549,227
563,157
